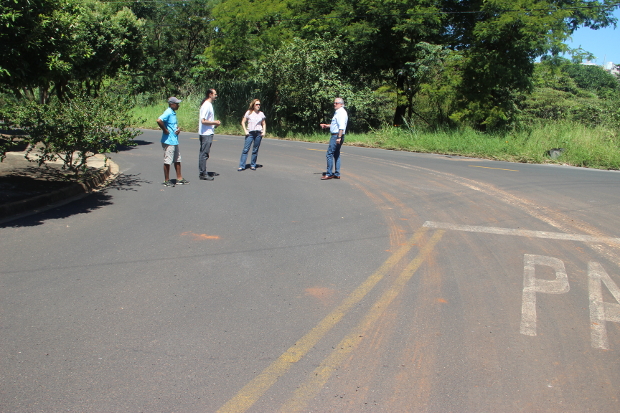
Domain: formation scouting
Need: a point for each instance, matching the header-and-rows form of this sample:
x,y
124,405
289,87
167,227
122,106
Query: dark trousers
x,y
205,148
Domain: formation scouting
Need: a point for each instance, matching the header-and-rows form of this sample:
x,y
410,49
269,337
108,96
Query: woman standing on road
x,y
254,132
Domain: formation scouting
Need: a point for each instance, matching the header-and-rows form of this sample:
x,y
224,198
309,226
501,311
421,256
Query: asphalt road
x,y
417,283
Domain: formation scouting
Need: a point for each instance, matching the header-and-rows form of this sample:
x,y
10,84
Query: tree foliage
x,y
74,130
380,43
47,44
302,80
176,34
572,91
432,62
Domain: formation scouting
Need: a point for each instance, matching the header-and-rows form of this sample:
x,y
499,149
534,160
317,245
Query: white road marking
x,y
522,233
532,285
600,311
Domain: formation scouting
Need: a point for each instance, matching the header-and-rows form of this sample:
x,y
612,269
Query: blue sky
x,y
602,43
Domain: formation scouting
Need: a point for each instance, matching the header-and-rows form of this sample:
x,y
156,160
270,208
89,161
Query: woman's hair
x,y
251,108
209,93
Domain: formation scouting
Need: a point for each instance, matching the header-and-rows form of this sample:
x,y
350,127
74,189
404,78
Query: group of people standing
x,y
254,126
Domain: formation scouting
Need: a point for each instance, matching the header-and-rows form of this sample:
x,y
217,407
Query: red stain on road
x,y
323,294
199,237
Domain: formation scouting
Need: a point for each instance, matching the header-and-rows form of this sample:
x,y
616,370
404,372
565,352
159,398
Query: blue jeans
x,y
205,148
256,137
333,155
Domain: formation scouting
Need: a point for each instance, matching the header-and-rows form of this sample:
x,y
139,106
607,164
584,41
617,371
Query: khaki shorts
x,y
171,154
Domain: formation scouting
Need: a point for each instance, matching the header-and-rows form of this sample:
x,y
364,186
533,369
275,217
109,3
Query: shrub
x,y
74,130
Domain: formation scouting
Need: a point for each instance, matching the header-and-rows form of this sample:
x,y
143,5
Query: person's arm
x,y
341,121
162,125
244,120
324,125
204,121
264,123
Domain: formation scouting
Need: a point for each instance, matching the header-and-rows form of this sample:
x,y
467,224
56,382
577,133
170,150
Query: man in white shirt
x,y
206,127
337,129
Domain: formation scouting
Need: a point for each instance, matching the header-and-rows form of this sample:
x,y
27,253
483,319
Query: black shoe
x,y
206,178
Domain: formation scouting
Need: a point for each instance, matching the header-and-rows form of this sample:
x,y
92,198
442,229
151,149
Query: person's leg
x,y
168,153
205,149
337,157
257,140
176,158
177,168
166,172
202,160
246,149
330,154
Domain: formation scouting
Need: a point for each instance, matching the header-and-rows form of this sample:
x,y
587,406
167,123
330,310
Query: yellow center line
x,y
253,391
488,167
321,374
309,149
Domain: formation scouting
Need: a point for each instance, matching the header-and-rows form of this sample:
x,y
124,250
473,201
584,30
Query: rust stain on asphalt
x,y
200,237
322,294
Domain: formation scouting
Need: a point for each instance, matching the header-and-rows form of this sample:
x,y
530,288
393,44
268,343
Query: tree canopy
x,y
469,61
381,41
46,44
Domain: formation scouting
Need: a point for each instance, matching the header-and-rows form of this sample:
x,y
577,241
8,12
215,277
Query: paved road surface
x,y
417,283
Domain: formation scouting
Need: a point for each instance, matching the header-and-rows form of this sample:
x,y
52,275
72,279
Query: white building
x,y
609,66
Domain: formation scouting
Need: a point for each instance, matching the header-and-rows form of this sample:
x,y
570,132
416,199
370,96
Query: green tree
x,y
574,92
501,40
74,130
176,35
593,78
302,78
377,40
246,31
46,44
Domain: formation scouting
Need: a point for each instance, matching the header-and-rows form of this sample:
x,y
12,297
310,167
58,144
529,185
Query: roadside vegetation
x,y
559,142
471,78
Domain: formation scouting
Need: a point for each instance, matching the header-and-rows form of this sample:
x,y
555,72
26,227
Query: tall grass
x,y
187,115
581,145
597,147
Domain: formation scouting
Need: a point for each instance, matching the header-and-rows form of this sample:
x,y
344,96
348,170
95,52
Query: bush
x,y
74,130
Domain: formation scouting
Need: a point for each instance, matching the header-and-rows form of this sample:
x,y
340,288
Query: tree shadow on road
x,y
127,182
138,142
79,205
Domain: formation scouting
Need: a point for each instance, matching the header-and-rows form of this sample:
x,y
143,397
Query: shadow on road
x,y
138,142
127,182
86,204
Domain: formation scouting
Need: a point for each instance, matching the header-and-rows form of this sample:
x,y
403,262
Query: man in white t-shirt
x,y
206,127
